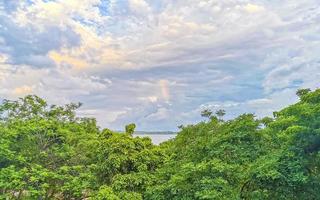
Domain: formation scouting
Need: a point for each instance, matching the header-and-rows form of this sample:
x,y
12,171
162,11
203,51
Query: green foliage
x,y
246,158
302,92
47,152
220,113
130,129
206,113
105,193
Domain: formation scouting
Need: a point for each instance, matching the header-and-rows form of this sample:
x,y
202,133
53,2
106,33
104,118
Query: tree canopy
x,y
48,152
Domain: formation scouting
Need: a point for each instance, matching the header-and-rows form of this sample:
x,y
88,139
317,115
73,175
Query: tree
x,y
220,113
130,129
240,159
207,113
48,152
302,92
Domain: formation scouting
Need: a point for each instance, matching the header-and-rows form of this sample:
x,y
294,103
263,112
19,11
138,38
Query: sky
x,y
158,63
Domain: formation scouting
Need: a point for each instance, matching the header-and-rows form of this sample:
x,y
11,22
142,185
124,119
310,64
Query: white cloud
x,y
252,8
155,40
22,91
142,61
139,6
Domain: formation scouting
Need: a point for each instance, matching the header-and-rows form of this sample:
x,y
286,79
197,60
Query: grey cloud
x,y
242,62
27,45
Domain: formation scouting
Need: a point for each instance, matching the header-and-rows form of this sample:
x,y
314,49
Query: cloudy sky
x,y
158,63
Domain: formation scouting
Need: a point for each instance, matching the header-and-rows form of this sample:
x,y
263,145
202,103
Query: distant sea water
x,y
156,137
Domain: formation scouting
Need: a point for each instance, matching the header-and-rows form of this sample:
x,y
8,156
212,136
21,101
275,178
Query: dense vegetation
x,y
47,152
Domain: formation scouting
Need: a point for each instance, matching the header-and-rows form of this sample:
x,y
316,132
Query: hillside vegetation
x,y
47,152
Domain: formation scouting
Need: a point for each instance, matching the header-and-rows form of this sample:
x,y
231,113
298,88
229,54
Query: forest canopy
x,y
48,152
